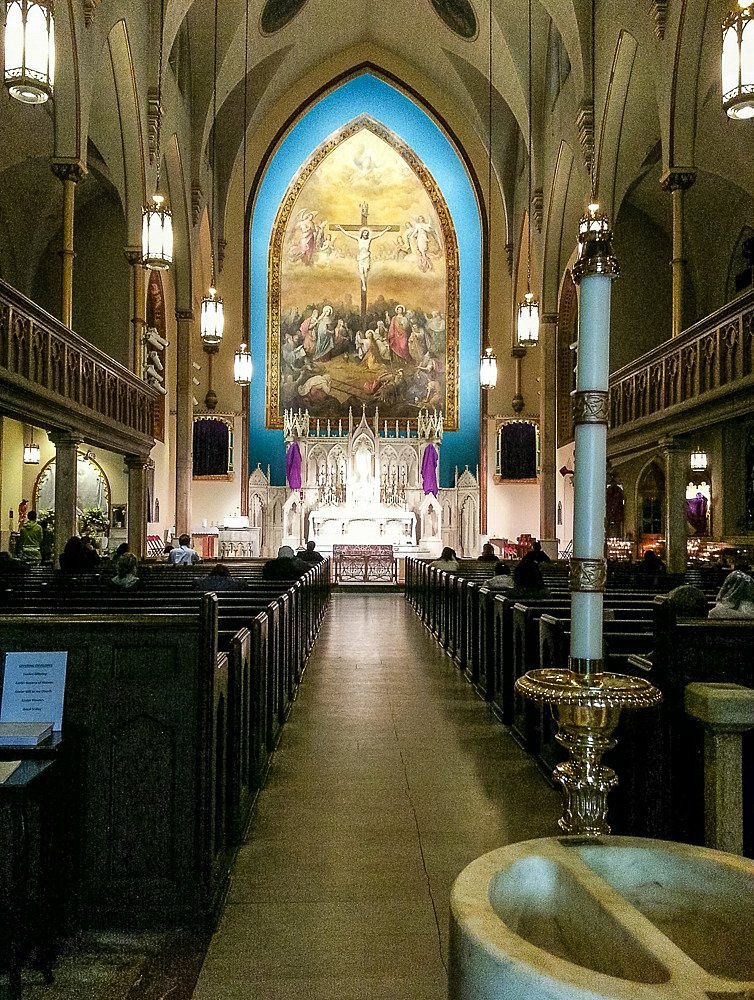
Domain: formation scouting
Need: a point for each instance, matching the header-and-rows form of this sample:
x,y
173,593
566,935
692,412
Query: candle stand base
x,y
587,709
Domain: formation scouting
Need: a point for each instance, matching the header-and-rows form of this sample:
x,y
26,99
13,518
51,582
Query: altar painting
x,y
363,285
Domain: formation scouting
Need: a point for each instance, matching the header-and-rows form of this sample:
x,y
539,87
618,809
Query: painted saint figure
x,y
398,332
364,256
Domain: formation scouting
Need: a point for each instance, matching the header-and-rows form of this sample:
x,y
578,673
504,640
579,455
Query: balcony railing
x,y
65,369
709,361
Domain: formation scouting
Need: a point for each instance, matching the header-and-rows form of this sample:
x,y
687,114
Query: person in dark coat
x,y
285,567
310,553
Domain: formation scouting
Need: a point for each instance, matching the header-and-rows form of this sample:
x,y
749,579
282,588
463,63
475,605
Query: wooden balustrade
x,y
710,361
59,379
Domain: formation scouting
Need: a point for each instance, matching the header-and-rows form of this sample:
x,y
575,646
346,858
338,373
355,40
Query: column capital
x,y
63,439
67,168
136,462
548,319
678,178
671,445
184,314
132,255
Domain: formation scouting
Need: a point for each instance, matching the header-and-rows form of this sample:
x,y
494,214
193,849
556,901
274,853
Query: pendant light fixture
x,y
527,327
212,315
738,62
243,364
698,460
488,361
156,217
29,50
31,450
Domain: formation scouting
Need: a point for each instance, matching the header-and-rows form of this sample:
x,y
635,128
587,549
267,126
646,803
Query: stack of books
x,y
24,734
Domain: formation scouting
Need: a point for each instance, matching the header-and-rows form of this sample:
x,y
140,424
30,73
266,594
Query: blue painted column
x,y
594,272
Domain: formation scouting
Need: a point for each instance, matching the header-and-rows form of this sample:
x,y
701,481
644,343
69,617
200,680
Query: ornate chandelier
x,y
243,366
29,50
156,217
527,328
488,361
212,316
738,62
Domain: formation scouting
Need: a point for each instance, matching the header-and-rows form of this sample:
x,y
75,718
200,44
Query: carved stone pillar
x,y
676,181
137,504
548,336
675,498
70,173
138,306
66,519
184,424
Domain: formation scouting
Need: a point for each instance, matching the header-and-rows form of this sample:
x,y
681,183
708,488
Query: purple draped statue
x,y
429,469
293,466
696,513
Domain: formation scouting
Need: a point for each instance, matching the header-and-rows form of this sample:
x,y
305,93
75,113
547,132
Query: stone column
x,y
548,337
727,712
137,504
66,519
138,306
184,424
676,181
70,173
675,497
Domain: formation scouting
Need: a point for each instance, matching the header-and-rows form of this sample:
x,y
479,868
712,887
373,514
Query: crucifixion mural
x,y
363,313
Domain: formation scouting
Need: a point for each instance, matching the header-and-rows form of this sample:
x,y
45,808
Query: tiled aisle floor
x,y
390,778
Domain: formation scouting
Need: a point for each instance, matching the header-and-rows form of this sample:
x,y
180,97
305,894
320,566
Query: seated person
x,y
447,560
184,555
537,554
735,598
527,580
285,567
121,551
502,580
218,578
78,556
652,564
126,576
310,553
688,602
488,554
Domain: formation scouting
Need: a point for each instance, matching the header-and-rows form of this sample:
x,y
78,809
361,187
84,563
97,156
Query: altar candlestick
x,y
317,426
328,427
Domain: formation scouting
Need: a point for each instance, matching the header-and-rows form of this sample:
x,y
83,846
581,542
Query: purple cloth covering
x,y
696,513
429,469
293,466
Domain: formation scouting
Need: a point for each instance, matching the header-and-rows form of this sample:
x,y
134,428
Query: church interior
x,y
273,274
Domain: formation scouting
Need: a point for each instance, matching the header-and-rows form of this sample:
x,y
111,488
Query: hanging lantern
x,y
488,369
738,62
157,235
31,454
528,320
29,50
243,366
212,319
698,460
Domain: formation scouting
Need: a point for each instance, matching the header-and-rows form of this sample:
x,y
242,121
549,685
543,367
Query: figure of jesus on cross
x,y
363,239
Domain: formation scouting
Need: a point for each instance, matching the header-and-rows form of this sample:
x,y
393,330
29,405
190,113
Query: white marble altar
x,y
361,484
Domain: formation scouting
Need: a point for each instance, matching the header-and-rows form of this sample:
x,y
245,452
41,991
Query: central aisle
x,y
391,776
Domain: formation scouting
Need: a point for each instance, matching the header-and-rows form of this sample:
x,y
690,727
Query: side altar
x,y
365,483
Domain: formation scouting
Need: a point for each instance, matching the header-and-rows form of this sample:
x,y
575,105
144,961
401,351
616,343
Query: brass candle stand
x,y
587,708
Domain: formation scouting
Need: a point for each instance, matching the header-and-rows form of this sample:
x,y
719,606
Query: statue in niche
x,y
432,521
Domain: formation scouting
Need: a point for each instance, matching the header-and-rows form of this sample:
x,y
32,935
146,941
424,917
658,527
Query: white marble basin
x,y
617,917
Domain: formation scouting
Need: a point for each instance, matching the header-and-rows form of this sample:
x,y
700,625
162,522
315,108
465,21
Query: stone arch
x,y
555,236
181,269
69,132
612,121
129,114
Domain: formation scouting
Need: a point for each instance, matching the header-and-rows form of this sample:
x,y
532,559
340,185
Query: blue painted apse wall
x,y
367,94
